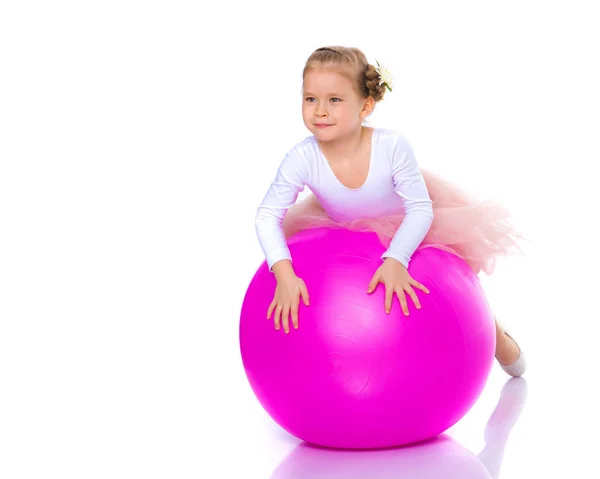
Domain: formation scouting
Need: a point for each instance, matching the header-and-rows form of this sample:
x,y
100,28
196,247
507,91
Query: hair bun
x,y
373,83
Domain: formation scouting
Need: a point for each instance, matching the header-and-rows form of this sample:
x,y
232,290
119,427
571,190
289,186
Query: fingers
x,y
304,294
285,319
277,317
413,296
403,304
400,292
373,284
295,314
286,309
282,314
418,285
271,308
389,294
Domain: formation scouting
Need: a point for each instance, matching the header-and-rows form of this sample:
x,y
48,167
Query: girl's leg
x,y
508,353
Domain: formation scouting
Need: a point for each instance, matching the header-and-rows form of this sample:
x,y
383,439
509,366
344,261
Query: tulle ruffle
x,y
477,231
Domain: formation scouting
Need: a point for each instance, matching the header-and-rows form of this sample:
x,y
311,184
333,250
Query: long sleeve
x,y
410,186
281,195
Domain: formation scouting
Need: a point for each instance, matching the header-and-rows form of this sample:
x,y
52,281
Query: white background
x,y
136,141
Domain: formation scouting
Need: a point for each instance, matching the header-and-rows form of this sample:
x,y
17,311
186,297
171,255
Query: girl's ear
x,y
368,107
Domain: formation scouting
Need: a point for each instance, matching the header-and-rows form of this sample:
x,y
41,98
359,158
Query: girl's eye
x,y
311,99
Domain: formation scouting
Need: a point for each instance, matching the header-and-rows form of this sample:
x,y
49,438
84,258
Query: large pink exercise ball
x,y
352,376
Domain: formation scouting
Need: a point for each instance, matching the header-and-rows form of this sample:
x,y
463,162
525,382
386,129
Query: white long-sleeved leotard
x,y
394,183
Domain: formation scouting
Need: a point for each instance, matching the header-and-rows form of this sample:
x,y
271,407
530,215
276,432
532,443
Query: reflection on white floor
x,y
441,457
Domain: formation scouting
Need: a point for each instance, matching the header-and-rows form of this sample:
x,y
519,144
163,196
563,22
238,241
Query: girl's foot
x,y
508,353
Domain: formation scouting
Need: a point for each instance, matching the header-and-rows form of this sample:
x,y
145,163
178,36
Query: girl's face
x,y
331,106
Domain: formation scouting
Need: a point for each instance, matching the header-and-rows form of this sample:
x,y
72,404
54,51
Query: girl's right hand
x,y
286,300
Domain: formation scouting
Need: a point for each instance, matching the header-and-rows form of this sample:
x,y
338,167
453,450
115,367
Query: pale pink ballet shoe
x,y
517,368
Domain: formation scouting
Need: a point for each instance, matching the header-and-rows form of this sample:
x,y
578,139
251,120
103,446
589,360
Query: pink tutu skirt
x,y
478,232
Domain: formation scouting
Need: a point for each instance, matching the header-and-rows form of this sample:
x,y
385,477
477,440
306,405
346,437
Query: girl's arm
x,y
290,180
411,187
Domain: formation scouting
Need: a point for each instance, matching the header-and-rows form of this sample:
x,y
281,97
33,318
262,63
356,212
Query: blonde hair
x,y
364,75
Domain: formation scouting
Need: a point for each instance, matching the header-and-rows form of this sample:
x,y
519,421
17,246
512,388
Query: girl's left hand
x,y
396,279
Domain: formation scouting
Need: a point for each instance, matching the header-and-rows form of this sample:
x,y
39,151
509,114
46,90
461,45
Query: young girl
x,y
368,179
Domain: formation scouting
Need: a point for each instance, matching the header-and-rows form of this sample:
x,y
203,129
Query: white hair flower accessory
x,y
385,77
